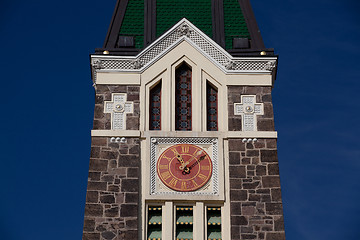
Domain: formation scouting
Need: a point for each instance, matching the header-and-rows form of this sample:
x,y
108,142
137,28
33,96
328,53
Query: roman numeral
x,y
185,149
173,182
183,185
163,166
202,176
165,175
205,168
195,184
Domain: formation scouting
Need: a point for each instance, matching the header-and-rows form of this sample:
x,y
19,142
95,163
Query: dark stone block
x,y
108,178
273,208
252,153
112,212
98,165
128,210
237,172
271,181
265,125
265,198
260,143
248,236
129,234
234,124
234,158
266,98
94,176
89,225
275,236
107,199
108,235
134,150
238,195
98,111
271,143
128,161
113,188
131,89
276,194
273,169
109,155
91,236
252,185
132,172
130,185
260,170
236,145
253,90
246,229
238,220
245,160
268,111
254,197
268,156
94,210
131,198
98,141
279,223
99,99
132,123
92,197
98,125
133,97
118,88
131,223
101,89
235,232
95,152
235,183
100,186
235,208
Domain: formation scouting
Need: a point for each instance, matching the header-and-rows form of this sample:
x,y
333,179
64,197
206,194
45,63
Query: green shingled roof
x,y
234,22
198,12
133,23
169,12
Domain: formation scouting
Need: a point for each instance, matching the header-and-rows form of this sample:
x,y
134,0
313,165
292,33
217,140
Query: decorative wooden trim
x,y
115,25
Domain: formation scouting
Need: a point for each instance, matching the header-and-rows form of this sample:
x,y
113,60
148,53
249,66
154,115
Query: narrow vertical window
x,y
183,98
184,223
213,223
155,108
212,107
154,223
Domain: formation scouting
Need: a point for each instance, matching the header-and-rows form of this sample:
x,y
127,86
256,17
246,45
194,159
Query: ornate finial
x,y
97,64
137,64
270,65
184,30
230,65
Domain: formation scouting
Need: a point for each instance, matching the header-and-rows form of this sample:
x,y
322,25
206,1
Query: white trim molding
x,y
184,30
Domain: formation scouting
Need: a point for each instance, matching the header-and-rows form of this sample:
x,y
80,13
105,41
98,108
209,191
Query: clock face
x,y
184,167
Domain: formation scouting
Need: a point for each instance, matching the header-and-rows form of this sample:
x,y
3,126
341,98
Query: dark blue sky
x,y
47,109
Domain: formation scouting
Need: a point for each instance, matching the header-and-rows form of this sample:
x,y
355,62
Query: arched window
x,y
155,108
211,107
183,98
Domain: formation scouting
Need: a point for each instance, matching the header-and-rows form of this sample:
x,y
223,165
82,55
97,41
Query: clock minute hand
x,y
197,161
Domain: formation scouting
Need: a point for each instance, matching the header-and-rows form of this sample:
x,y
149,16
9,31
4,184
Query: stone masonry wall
x,y
255,194
112,199
263,95
103,93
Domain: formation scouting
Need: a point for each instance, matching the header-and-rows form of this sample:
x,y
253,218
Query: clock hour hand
x,y
197,162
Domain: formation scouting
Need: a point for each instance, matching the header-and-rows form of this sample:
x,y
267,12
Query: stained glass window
x,y
154,223
155,108
212,107
183,98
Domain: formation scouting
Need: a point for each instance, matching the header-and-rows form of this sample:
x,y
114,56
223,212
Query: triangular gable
x,y
184,30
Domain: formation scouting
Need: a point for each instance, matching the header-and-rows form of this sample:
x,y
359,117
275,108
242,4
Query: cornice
x,y
184,30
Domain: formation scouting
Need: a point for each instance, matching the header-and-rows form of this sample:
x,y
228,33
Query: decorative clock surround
x,y
210,183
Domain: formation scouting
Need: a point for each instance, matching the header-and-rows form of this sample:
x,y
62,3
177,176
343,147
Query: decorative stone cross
x,y
248,109
118,108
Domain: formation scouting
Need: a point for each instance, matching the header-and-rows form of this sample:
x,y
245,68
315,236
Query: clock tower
x,y
183,141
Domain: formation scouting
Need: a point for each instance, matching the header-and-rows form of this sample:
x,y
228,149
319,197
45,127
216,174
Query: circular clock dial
x,y
184,167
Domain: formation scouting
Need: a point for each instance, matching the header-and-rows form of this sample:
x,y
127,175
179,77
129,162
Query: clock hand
x,y
187,169
197,162
193,157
